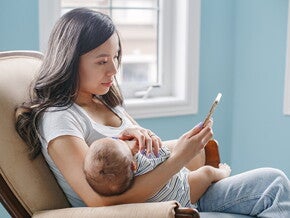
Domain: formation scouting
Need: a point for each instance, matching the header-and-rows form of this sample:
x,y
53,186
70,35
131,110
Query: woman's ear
x,y
134,166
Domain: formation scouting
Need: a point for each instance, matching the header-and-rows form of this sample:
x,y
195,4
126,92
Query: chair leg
x,y
10,202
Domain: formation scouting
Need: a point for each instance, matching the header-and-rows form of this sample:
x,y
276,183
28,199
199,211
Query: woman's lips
x,y
108,84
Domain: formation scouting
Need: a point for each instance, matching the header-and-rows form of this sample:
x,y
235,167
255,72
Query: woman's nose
x,y
113,67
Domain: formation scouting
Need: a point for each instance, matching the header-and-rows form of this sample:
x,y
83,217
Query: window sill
x,y
160,107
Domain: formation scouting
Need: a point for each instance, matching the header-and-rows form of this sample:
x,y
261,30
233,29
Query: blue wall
x,y
3,212
260,130
242,55
18,25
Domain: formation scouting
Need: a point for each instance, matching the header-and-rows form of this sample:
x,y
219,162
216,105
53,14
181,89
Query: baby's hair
x,y
108,171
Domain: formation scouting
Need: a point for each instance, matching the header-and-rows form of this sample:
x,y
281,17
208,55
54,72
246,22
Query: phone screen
x,y
213,106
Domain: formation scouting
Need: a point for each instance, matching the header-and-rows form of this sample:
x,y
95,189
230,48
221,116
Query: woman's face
x,y
98,67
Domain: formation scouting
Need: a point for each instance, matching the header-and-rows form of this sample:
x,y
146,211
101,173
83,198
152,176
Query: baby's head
x,y
109,166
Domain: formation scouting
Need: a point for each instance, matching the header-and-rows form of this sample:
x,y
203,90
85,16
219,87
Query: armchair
x,y
28,188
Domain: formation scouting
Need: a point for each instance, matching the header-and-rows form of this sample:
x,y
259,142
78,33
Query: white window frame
x,y
181,55
286,108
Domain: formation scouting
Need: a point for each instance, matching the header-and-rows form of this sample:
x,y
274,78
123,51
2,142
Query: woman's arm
x,y
195,163
199,159
68,153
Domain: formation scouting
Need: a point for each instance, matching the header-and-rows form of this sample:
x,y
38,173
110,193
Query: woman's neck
x,y
87,100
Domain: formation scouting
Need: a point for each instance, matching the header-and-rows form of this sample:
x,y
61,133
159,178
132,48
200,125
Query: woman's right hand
x,y
145,139
193,141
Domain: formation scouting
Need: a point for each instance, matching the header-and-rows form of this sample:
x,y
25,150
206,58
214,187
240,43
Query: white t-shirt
x,y
75,121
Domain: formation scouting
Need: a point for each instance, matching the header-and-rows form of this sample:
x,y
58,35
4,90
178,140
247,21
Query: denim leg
x,y
263,192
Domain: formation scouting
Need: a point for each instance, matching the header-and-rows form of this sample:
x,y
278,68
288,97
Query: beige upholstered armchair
x,y
28,188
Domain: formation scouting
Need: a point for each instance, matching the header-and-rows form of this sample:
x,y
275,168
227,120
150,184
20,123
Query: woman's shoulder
x,y
63,116
62,111
57,121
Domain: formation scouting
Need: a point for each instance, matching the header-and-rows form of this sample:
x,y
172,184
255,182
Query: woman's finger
x,y
145,139
148,146
209,122
148,140
194,130
133,133
126,134
156,142
204,136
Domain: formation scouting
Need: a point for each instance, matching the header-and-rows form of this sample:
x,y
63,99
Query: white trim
x,y
159,107
48,12
286,108
184,54
184,99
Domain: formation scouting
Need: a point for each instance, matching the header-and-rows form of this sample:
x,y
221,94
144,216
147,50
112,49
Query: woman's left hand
x,y
146,140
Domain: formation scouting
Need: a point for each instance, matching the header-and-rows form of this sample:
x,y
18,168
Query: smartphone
x,y
213,106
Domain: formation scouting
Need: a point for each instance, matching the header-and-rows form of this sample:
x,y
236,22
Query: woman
x,y
76,100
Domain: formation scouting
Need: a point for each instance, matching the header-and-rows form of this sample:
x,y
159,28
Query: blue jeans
x,y
263,192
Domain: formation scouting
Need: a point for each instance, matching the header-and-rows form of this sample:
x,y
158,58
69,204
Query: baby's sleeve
x,y
146,164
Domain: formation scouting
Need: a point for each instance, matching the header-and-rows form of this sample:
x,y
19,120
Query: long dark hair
x,y
76,33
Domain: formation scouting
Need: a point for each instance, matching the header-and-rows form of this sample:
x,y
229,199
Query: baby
x,y
111,165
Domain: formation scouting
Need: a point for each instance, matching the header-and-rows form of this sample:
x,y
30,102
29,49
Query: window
x,y
137,22
287,71
159,74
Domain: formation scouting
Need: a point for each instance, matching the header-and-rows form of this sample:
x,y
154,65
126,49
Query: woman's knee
x,y
273,174
276,173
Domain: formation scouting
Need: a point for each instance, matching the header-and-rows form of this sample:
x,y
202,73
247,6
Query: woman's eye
x,y
102,62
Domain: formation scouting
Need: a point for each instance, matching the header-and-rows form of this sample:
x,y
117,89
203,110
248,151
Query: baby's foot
x,y
222,172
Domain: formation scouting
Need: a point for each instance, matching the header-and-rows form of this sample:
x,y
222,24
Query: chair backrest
x,y
28,181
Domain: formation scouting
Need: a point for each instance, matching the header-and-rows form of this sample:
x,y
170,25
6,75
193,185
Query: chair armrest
x,y
185,212
144,210
212,156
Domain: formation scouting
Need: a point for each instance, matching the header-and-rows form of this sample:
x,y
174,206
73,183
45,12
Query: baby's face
x,y
128,146
129,149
